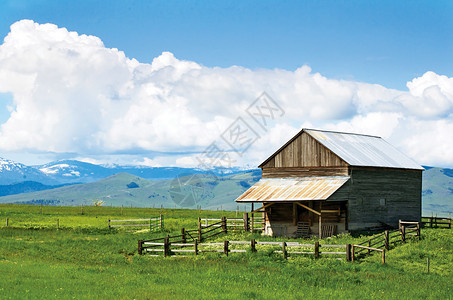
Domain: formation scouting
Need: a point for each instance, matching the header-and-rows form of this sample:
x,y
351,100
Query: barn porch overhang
x,y
280,190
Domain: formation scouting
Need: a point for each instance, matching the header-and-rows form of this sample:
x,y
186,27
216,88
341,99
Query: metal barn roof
x,y
363,150
292,189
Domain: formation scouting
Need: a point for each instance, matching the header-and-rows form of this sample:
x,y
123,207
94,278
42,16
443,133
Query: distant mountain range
x,y
190,191
72,171
12,172
71,182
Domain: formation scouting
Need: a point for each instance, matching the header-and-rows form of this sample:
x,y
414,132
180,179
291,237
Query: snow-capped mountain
x,y
71,171
14,172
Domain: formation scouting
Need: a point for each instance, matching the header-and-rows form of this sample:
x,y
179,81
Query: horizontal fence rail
x,y
153,223
436,222
369,249
247,223
167,248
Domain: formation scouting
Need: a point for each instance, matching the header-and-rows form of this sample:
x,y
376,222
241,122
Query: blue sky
x,y
155,80
384,42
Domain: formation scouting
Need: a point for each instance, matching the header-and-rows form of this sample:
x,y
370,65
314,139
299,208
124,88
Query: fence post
x,y
109,223
195,245
353,253
140,247
369,245
252,223
225,247
166,247
161,221
403,233
285,254
427,264
183,233
199,229
316,249
386,235
224,224
431,221
383,256
253,245
348,252
418,230
246,222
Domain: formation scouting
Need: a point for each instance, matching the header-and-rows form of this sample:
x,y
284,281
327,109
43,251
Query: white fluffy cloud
x,y
72,94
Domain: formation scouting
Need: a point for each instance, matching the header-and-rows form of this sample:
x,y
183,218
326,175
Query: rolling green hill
x,y
209,191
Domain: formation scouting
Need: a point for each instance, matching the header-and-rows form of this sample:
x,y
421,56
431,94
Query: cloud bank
x,y
73,95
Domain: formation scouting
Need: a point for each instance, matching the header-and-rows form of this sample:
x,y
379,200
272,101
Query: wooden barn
x,y
324,183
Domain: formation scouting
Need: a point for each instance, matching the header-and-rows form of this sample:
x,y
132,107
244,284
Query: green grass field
x,y
84,259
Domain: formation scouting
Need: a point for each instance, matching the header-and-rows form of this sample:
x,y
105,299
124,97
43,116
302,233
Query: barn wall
x,y
304,151
304,172
383,195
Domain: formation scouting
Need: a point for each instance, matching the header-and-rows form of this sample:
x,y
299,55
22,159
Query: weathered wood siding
x,y
383,195
304,172
304,151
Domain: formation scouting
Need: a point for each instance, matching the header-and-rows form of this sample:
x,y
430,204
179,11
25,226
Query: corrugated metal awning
x,y
293,189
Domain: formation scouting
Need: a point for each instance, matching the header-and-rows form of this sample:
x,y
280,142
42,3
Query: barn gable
x,y
303,151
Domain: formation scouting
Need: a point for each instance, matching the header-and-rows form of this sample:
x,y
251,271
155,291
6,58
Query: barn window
x,y
382,201
360,201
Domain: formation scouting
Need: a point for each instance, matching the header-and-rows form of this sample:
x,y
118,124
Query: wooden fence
x,y
382,242
190,241
153,223
436,222
186,236
246,223
166,247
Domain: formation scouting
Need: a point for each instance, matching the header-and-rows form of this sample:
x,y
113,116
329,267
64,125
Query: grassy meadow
x,y
85,260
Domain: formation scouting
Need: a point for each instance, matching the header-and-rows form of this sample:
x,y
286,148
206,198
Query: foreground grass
x,y
93,262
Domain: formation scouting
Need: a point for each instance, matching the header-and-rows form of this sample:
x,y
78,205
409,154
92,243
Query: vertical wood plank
x,y
316,249
183,234
348,252
285,254
246,222
139,249
386,236
166,246
199,229
225,248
